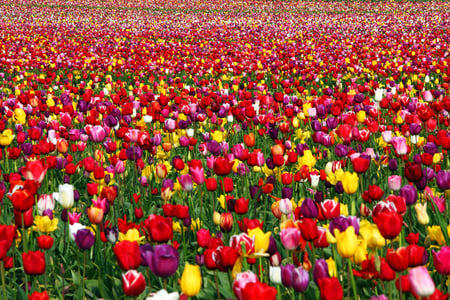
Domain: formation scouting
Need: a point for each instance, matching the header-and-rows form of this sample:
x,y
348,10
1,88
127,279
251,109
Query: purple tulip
x,y
300,279
340,150
409,192
309,208
134,153
84,239
443,180
320,270
213,147
162,259
286,275
286,192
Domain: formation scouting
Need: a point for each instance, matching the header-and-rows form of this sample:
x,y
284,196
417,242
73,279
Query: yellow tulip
x,y
19,116
421,211
44,224
191,280
261,239
371,234
350,182
131,235
218,136
436,235
361,252
347,242
6,137
332,270
361,116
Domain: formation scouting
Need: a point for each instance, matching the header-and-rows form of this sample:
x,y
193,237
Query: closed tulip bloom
x,y
198,174
133,283
285,206
395,182
441,260
399,144
258,290
397,259
330,289
309,208
389,224
97,133
84,238
421,212
186,182
162,259
421,282
191,280
350,182
409,192
443,179
95,215
222,166
242,279
163,295
370,233
34,170
39,296
34,262
65,196
127,254
320,270
275,274
347,242
290,237
45,202
360,164
417,255
300,279
413,171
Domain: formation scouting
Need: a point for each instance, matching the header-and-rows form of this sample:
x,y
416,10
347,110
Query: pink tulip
x,y
421,282
395,182
198,175
97,133
241,281
186,182
399,144
290,237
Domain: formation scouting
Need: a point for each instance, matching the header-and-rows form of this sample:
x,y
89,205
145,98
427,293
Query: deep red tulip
x,y
159,228
258,291
386,272
241,206
203,237
309,229
45,242
417,255
330,289
211,184
413,171
34,262
211,257
28,218
360,164
39,296
397,259
222,166
127,254
227,257
226,185
389,224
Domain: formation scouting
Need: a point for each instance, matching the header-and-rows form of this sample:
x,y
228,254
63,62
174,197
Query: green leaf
x,y
442,223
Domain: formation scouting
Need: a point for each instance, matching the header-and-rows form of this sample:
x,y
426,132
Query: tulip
x,y
399,144
163,295
370,233
360,164
159,229
397,259
191,280
309,208
34,170
421,282
300,279
320,270
395,182
275,274
33,262
350,182
409,192
65,196
347,242
95,215
133,283
330,289
290,237
127,255
262,239
162,259
97,134
186,182
258,290
441,260
226,221
421,212
389,224
413,171
84,238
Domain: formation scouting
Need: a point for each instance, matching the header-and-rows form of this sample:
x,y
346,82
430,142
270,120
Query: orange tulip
x,y
277,150
249,140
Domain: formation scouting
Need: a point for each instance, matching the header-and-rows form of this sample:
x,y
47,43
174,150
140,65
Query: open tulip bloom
x,y
174,149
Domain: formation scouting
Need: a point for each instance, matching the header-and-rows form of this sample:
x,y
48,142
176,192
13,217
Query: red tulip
x,y
413,171
309,229
159,228
22,194
389,224
226,184
133,283
241,206
330,289
222,166
39,296
258,291
28,218
397,259
227,257
128,255
45,242
34,170
203,237
211,184
34,262
360,164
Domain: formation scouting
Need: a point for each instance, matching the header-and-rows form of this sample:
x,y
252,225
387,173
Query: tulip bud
x,y
421,211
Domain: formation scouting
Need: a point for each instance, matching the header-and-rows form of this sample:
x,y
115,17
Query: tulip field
x,y
224,149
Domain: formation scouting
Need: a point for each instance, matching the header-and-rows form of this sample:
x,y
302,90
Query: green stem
x,y
352,279
24,233
84,271
2,270
217,284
